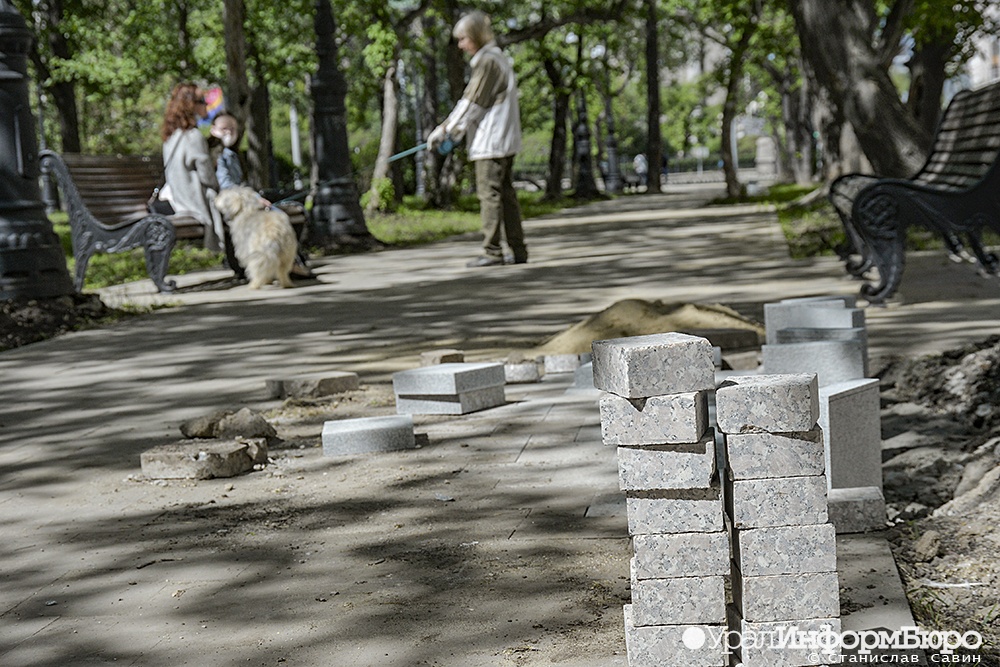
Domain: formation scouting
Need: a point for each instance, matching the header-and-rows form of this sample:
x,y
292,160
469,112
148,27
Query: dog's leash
x,y
299,197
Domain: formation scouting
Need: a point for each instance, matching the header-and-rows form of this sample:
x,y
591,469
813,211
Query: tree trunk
x,y
560,114
238,92
927,77
654,140
387,143
839,41
259,149
429,110
63,93
730,147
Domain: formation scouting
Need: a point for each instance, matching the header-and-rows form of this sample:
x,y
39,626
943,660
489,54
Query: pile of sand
x,y
636,317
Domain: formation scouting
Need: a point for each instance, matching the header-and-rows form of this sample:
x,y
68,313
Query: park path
x,y
489,546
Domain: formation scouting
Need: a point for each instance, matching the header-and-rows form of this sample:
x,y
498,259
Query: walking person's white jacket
x,y
488,113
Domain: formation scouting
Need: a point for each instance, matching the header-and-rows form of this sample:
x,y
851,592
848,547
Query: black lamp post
x,y
32,263
337,218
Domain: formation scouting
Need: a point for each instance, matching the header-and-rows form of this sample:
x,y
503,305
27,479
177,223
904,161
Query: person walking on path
x,y
489,115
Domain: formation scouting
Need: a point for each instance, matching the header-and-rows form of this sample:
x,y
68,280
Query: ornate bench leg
x,y
878,218
158,243
988,261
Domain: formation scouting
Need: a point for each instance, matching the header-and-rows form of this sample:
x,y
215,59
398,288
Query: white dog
x,y
263,239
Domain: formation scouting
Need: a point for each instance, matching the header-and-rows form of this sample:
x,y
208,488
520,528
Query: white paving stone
x,y
763,455
667,466
786,501
675,418
680,555
772,403
785,550
653,365
679,601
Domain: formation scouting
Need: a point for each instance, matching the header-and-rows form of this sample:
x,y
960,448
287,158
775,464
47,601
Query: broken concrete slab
x,y
445,356
312,385
203,459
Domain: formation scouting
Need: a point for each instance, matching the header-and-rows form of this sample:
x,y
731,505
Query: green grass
x,y
415,224
780,193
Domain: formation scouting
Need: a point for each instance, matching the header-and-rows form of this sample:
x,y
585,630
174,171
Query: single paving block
x,y
786,597
653,365
680,555
772,403
675,511
447,379
679,601
851,418
312,385
857,510
667,466
564,363
458,404
816,314
785,550
203,459
762,455
368,435
831,360
670,645
785,501
521,372
670,419
798,643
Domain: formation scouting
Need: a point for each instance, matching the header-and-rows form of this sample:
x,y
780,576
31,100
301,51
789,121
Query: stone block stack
x,y
655,412
750,553
784,551
827,336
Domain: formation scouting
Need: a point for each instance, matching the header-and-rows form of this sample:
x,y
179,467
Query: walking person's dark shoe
x,y
485,260
510,258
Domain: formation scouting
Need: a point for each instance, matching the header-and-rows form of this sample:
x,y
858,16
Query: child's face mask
x,y
225,133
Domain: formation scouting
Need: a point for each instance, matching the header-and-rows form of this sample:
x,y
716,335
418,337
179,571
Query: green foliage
x,y
385,192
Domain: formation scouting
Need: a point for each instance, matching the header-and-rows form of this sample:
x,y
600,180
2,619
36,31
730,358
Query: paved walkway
x,y
500,542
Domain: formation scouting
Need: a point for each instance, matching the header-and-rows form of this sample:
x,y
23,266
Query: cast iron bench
x,y
106,197
955,194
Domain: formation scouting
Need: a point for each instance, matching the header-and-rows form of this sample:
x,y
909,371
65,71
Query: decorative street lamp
x,y
337,218
32,263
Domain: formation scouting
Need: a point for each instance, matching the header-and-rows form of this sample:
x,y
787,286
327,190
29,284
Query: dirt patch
x,y
25,321
941,430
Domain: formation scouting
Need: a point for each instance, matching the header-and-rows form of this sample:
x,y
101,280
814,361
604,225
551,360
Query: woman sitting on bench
x,y
188,168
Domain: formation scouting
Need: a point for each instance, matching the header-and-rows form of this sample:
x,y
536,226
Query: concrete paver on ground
x,y
499,542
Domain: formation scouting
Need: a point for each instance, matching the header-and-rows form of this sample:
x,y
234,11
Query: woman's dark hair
x,y
181,113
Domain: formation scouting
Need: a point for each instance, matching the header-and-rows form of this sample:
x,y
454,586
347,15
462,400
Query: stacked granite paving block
x,y
454,389
827,336
655,412
784,551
